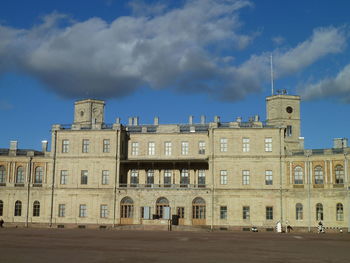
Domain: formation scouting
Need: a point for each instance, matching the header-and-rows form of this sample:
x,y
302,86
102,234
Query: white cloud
x,y
278,40
323,41
338,87
176,48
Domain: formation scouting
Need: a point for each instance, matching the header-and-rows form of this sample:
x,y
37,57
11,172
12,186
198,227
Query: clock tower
x,y
88,112
284,111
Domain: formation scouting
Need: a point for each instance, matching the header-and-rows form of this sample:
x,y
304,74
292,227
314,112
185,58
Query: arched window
x,y
198,208
298,175
339,174
160,204
126,208
340,212
319,212
1,207
18,208
299,211
39,172
36,208
318,171
20,175
2,174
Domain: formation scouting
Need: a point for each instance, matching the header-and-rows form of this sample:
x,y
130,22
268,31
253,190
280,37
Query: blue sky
x,y
172,59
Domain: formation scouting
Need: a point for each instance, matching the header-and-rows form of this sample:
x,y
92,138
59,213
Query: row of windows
x,y
106,146
84,176
18,208
167,148
245,144
20,175
246,177
126,208
319,175
299,214
167,177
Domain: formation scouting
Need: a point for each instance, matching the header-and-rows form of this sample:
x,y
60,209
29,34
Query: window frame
x,y
223,144
245,177
106,145
223,212
223,177
246,144
268,177
82,210
268,144
84,177
85,146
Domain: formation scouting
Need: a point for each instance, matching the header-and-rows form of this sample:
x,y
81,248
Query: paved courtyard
x,y
85,245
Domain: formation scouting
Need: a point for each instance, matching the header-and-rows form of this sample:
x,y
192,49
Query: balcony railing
x,y
172,186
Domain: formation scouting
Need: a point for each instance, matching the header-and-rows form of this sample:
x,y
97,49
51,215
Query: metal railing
x,y
172,186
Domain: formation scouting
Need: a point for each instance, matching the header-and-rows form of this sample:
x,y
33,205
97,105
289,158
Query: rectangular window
x,y
268,177
184,148
289,131
223,145
245,143
82,211
180,212
246,212
86,144
105,177
167,177
268,144
167,148
223,212
64,177
201,178
135,148
134,177
104,211
150,178
106,145
65,146
184,180
151,148
84,177
201,147
223,177
61,210
269,213
246,177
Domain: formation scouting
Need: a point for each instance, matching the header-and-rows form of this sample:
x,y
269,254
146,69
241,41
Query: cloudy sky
x,y
172,59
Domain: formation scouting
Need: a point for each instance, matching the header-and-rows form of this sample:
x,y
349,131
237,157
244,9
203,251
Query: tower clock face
x,y
289,109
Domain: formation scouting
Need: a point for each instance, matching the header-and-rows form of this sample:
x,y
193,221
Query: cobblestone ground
x,y
85,245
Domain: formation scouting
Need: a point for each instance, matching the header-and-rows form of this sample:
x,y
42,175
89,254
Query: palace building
x,y
215,175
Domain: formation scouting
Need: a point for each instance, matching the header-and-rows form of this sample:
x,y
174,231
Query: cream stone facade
x,y
227,175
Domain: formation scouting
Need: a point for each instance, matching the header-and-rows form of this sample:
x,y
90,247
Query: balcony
x,y
164,186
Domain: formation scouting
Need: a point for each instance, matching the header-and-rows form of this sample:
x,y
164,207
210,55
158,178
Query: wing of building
x,y
232,175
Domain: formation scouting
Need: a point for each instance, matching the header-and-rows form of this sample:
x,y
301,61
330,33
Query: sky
x,y
172,59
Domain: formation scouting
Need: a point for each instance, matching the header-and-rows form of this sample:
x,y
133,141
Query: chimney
x,y
44,146
217,119
117,120
190,119
136,121
13,145
156,120
202,119
130,121
301,143
256,118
